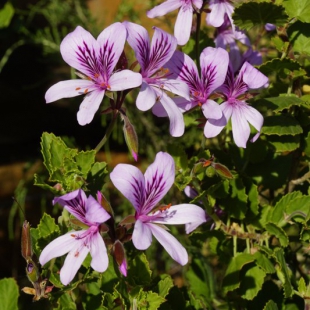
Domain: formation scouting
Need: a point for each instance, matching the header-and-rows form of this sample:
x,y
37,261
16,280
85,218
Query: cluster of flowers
x,y
163,69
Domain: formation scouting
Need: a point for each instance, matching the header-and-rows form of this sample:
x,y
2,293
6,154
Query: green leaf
x,y
47,226
282,144
298,35
231,280
251,14
85,160
96,176
164,285
278,104
252,282
278,232
281,125
271,305
179,155
9,293
139,272
298,9
65,302
302,288
264,263
279,66
6,14
299,209
149,300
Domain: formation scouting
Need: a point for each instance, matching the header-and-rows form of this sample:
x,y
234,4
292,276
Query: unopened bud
x,y
104,203
26,241
120,257
131,137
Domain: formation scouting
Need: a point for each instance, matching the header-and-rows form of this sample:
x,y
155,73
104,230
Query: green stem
x,y
235,245
107,134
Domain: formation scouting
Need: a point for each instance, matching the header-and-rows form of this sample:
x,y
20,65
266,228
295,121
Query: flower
x,y
240,112
152,58
220,9
183,24
79,243
214,64
145,192
95,59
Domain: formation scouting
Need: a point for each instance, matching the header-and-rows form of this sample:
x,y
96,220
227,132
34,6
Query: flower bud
x,y
26,241
120,257
131,137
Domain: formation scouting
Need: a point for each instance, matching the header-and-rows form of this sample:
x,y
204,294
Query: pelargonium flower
x,y
220,9
145,192
96,60
234,107
183,24
214,65
156,80
79,243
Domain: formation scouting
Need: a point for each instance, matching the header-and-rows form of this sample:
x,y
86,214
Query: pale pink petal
x,y
252,77
170,243
68,89
183,24
98,253
95,212
176,87
182,214
253,117
73,262
214,65
58,247
177,125
129,180
240,127
197,3
159,178
219,9
142,235
211,109
79,50
183,105
162,48
124,79
89,107
164,8
123,268
146,97
139,40
111,42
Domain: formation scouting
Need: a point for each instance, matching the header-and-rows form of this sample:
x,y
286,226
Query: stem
x,y
107,134
235,245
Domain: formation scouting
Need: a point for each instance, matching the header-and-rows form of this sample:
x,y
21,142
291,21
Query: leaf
x,y
282,144
279,66
278,232
164,285
139,272
281,125
179,155
9,293
298,9
251,14
231,280
264,263
85,160
298,35
149,300
252,282
6,14
271,305
47,226
277,104
302,288
299,209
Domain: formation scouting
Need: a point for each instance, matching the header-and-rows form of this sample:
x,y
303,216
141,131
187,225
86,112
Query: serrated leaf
x,y
280,103
278,232
164,285
298,9
252,192
85,160
149,300
9,293
264,263
252,282
299,209
47,226
298,35
139,271
281,125
65,302
302,288
271,305
40,183
96,176
251,14
179,155
279,66
282,144
231,280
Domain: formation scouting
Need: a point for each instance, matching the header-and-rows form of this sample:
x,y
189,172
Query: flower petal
x,y
164,8
159,177
98,253
129,180
111,42
142,235
177,125
218,10
252,77
89,106
58,247
170,243
139,40
68,89
214,65
253,117
79,49
183,24
95,213
162,48
73,262
146,97
176,87
125,79
240,126
211,109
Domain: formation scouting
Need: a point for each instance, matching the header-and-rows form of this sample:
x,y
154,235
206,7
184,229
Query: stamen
x,y
96,75
73,235
77,253
86,91
78,88
164,208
